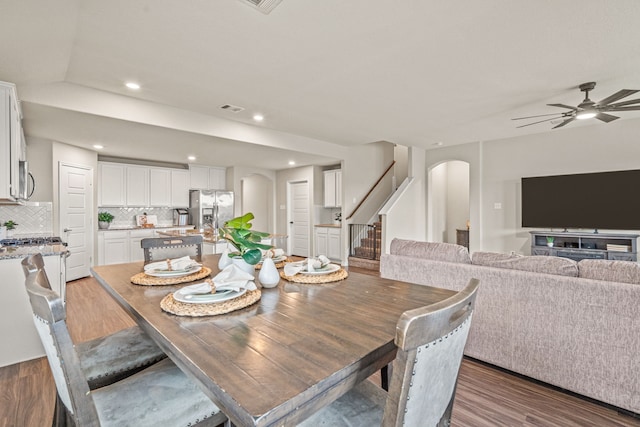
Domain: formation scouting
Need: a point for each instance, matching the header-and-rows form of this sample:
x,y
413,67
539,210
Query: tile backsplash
x,y
33,219
126,217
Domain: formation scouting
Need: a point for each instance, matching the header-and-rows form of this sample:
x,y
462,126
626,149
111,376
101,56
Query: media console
x,y
577,246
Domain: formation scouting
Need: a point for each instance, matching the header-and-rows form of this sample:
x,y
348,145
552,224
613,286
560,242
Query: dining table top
x,y
276,362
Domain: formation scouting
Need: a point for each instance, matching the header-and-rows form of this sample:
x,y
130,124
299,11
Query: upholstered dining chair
x,y
424,374
161,248
110,358
156,396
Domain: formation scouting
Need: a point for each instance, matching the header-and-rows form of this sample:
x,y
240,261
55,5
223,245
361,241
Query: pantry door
x,y
298,218
75,186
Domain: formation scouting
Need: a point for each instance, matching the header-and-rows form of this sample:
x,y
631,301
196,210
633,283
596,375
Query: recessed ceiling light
x,y
192,158
258,117
291,163
98,146
132,85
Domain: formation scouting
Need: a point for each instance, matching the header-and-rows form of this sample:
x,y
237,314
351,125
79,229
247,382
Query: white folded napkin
x,y
273,253
176,264
198,288
234,278
308,265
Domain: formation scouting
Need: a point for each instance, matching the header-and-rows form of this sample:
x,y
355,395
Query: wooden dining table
x,y
296,350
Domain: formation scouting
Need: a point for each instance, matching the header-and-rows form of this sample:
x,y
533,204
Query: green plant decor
x,y
105,217
237,231
550,239
10,224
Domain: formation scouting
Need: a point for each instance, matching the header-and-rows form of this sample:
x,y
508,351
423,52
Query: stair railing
x,y
363,241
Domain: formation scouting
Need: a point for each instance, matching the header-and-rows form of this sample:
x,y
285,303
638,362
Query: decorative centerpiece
x,y
237,231
550,240
10,225
104,220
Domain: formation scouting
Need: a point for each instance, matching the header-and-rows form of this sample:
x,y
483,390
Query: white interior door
x,y
76,201
299,219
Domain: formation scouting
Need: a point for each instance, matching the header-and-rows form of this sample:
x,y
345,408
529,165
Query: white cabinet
x,y
122,185
208,177
333,188
137,185
111,184
11,143
329,242
113,247
180,188
159,187
135,248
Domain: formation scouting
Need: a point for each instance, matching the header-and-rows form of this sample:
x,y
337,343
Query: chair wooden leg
x,y
384,377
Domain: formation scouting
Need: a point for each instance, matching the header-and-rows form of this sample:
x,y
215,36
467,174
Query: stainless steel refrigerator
x,y
210,208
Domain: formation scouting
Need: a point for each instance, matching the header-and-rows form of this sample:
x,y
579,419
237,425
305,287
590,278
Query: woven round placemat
x,y
146,280
336,276
170,305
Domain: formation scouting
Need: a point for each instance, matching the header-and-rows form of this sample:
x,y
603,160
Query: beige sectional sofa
x,y
575,325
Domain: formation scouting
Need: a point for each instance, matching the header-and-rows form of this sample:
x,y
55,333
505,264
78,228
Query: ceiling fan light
x,y
587,114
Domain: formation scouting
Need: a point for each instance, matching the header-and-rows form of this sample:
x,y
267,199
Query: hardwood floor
x,y
486,397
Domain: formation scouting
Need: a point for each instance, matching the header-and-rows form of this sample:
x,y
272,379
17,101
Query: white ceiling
x,y
325,74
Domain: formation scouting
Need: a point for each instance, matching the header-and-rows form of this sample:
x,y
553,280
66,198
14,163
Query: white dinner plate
x,y
219,296
327,269
173,273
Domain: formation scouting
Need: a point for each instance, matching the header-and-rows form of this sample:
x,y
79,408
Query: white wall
x,y
437,196
457,198
257,197
39,154
234,179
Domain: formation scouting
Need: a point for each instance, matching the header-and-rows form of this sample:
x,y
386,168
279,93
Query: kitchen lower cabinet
x,y
113,247
20,340
329,242
136,253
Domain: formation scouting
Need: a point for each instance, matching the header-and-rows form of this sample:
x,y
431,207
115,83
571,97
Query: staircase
x,y
366,254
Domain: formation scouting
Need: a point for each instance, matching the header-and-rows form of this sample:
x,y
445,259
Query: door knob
x,y
290,222
66,230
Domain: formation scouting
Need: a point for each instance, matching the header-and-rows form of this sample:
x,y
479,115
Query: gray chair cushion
x,y
161,395
110,358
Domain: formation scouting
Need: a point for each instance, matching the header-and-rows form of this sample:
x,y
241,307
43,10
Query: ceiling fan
x,y
588,109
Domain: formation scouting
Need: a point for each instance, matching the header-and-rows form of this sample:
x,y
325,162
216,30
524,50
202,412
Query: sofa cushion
x,y
448,252
536,264
610,271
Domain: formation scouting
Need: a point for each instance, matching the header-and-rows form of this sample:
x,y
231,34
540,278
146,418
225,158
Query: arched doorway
x,y
257,197
448,201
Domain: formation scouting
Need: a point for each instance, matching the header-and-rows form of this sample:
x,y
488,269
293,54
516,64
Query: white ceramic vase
x,y
244,265
269,276
224,259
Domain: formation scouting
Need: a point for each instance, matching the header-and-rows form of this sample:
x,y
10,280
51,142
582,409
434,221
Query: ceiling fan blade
x,y
534,123
563,106
539,115
618,95
621,104
632,108
606,117
569,120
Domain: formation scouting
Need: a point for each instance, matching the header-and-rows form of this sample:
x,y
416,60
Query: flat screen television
x,y
603,200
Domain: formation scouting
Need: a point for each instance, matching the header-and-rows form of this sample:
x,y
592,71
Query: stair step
x,y
364,263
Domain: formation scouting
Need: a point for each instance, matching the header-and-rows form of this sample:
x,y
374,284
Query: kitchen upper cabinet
x,y
333,188
180,180
137,185
111,184
208,177
12,145
160,187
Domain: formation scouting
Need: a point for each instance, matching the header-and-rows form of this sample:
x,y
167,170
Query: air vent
x,y
232,108
264,6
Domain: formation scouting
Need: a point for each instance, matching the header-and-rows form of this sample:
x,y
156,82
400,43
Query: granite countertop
x,y
207,238
134,227
11,252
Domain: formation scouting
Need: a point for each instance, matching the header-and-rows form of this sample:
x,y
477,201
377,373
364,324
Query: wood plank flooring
x,y
486,397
